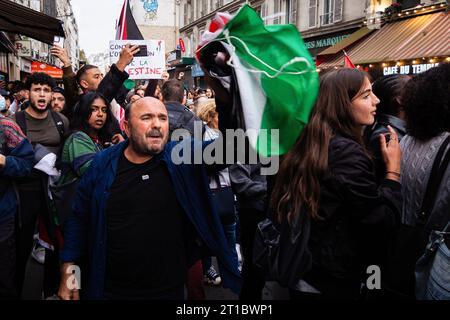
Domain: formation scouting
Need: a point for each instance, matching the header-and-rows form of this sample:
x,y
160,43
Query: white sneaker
x,y
211,277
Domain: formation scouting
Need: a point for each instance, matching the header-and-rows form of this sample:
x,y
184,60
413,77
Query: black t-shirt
x,y
146,255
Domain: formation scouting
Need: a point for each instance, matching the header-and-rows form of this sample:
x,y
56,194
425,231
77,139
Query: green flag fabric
x,y
277,79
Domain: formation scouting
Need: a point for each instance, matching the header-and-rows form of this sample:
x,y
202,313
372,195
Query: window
x,y
191,18
332,11
201,8
292,10
204,8
264,10
185,14
276,12
338,6
312,13
327,16
406,4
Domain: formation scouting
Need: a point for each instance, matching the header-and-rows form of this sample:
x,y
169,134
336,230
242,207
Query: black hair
x,y
83,70
151,88
173,90
389,90
58,90
426,101
39,78
17,85
83,111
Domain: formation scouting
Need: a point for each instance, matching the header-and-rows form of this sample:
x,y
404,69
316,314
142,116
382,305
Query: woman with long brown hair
x,y
328,176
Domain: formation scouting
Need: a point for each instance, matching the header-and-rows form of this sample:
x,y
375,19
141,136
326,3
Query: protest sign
x,y
148,63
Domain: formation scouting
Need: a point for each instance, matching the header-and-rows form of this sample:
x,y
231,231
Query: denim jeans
x,y
439,282
433,270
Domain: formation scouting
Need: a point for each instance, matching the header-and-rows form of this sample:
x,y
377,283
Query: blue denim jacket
x,y
86,228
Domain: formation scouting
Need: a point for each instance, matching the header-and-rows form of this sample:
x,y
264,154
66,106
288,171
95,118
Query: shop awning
x,y
18,19
423,36
5,44
344,43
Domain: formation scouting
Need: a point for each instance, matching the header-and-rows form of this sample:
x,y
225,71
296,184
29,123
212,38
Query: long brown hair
x,y
298,181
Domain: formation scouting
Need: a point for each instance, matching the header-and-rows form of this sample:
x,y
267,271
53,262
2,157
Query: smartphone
x,y
142,51
58,41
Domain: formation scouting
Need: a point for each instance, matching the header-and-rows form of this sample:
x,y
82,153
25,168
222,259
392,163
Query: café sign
x,y
408,69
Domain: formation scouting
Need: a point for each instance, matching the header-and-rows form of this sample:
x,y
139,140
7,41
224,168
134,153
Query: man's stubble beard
x,y
144,150
36,109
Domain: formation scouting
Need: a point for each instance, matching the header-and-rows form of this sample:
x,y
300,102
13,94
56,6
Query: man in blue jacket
x,y
16,160
141,218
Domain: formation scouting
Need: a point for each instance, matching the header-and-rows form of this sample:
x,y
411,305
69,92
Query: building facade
x,y
156,20
322,23
71,42
29,50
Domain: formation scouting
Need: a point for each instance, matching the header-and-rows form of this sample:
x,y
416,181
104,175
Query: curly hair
x,y
426,103
39,78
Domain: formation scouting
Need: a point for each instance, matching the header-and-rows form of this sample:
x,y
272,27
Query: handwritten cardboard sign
x,y
148,63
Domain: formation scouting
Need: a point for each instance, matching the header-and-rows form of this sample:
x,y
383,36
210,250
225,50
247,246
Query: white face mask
x,y
2,103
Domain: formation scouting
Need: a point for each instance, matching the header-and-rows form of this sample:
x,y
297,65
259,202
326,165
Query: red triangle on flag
x,y
347,62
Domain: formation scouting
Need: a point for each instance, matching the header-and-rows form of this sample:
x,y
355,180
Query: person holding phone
x,y
90,78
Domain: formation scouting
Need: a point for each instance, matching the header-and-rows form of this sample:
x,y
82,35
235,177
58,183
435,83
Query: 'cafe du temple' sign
x,y
408,69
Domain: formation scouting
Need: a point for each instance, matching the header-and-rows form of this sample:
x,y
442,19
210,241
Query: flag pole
x,y
125,5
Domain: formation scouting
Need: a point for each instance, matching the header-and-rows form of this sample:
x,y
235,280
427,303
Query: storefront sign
x,y
325,42
148,63
52,71
25,66
182,47
197,70
408,69
23,48
173,56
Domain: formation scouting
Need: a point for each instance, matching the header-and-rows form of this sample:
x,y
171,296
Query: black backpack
x,y
21,121
280,251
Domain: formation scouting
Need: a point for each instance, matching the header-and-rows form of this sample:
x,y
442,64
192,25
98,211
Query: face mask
x,y
2,103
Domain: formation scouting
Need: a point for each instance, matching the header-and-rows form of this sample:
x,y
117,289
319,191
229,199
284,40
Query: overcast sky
x,y
96,21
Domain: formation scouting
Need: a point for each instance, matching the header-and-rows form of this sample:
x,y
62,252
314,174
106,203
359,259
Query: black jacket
x,y
181,117
249,186
109,87
373,133
357,216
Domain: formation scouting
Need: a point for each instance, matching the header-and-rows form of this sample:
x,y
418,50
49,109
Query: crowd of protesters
x,y
141,226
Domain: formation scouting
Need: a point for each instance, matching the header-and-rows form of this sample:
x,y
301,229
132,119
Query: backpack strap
x,y
440,165
21,121
59,124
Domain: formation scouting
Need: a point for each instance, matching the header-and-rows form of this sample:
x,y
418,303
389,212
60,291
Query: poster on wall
x,y
148,63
